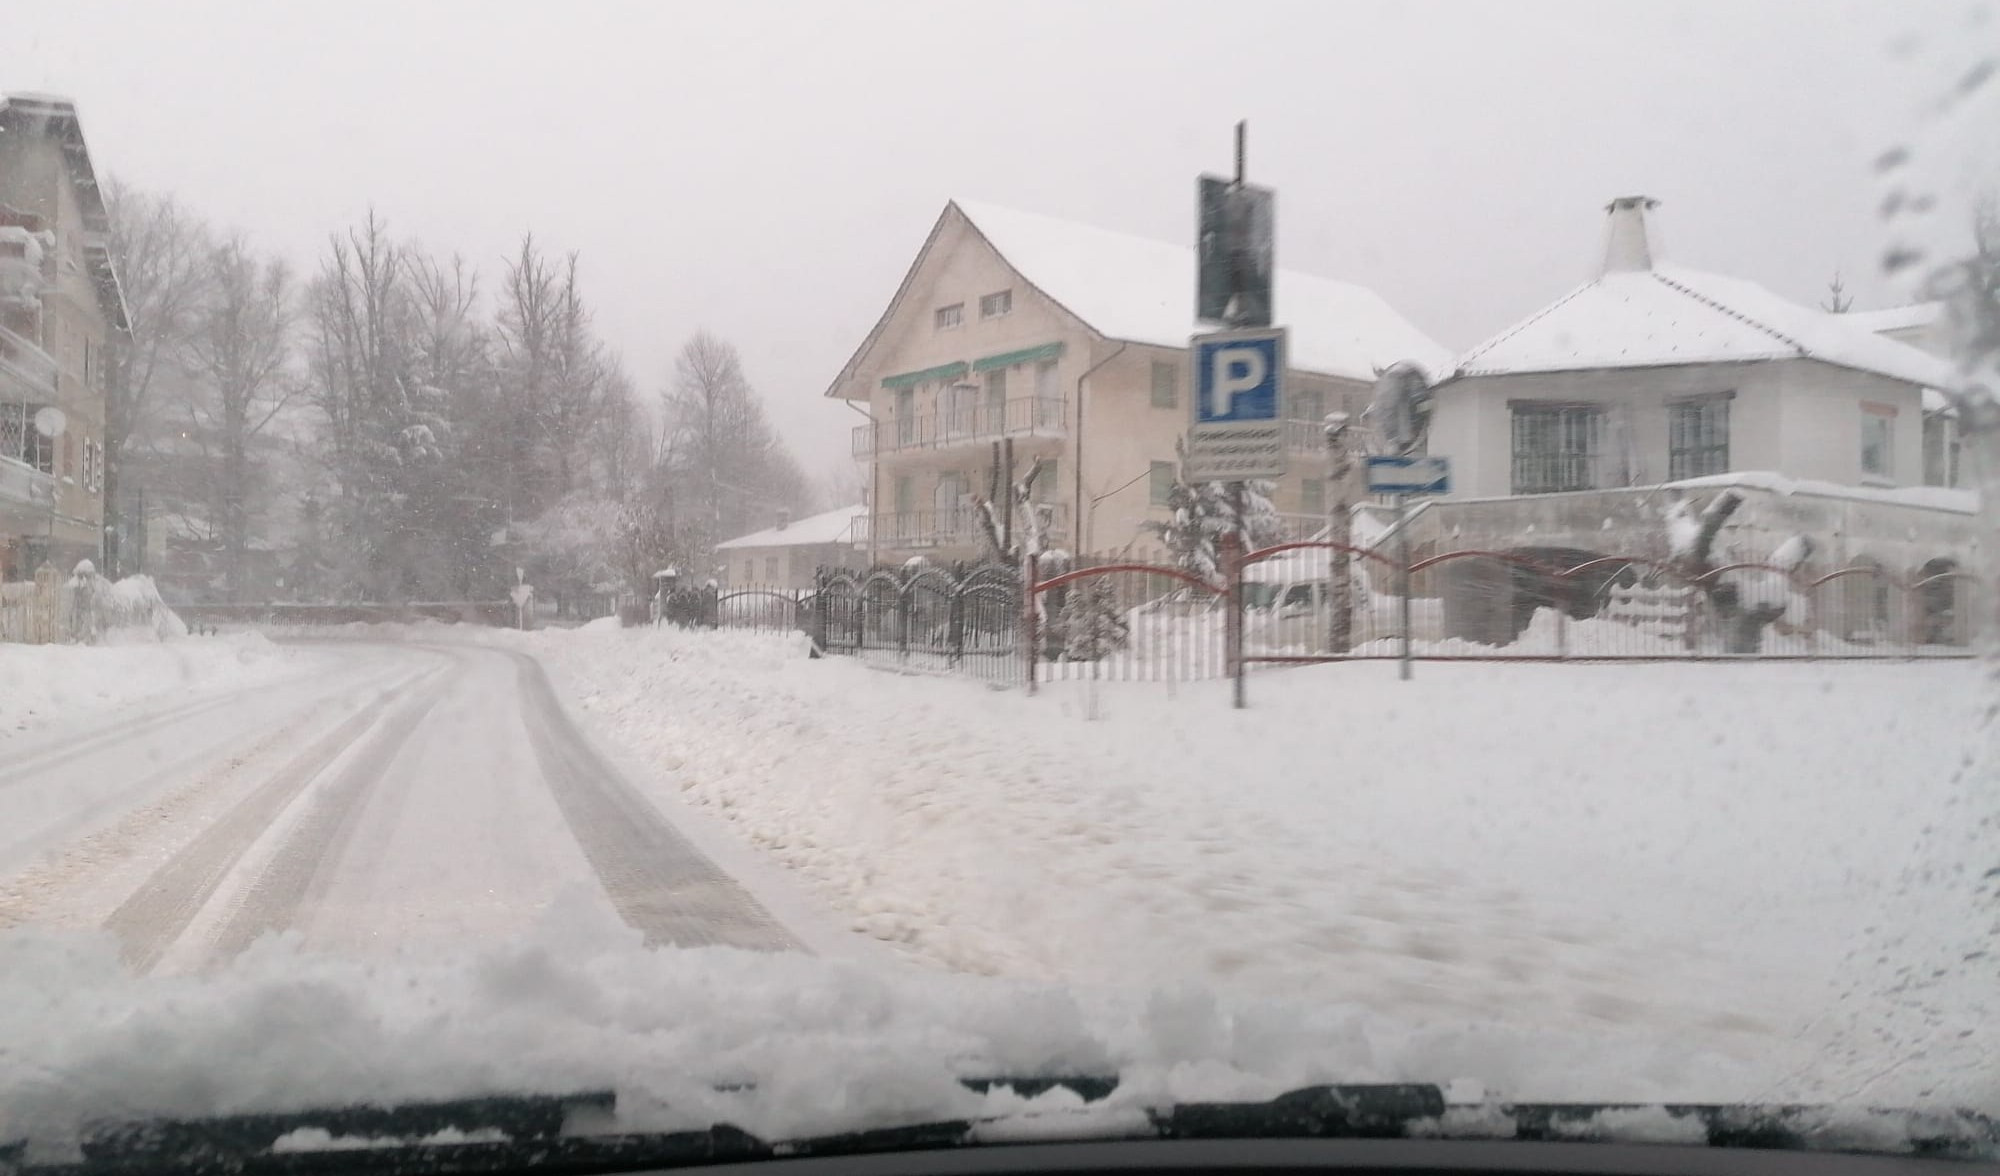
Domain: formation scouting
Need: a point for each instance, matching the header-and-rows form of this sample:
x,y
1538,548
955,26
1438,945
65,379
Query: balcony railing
x,y
918,529
1305,437
967,424
24,485
26,371
1298,528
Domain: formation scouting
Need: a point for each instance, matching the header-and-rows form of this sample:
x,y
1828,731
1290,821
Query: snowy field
x,y
1746,857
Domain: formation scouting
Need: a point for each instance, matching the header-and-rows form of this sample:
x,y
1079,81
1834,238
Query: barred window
x,y
1698,438
1557,448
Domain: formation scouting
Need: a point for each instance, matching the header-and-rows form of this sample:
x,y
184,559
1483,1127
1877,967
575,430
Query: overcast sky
x,y
768,170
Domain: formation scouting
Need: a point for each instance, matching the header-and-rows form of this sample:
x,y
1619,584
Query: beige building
x,y
785,556
1071,341
1651,372
59,307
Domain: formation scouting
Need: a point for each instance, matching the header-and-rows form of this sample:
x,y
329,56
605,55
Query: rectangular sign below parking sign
x,y
1236,429
1409,475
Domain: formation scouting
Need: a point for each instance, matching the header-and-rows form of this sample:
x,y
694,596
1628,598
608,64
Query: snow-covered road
x,y
381,797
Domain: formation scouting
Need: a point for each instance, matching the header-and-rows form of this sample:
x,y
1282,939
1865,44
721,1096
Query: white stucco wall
x,y
1795,417
1821,426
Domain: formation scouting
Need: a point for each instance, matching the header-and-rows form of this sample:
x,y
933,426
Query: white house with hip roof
x,y
1651,372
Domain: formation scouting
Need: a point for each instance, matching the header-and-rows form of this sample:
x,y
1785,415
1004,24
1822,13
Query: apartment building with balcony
x,y
60,307
1070,342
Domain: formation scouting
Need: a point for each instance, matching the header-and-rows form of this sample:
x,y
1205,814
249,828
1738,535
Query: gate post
x,y
903,622
1031,636
955,621
818,630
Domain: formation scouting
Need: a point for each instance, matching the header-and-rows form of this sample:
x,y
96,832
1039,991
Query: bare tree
x,y
159,248
529,321
237,349
734,470
577,388
1837,299
621,439
384,429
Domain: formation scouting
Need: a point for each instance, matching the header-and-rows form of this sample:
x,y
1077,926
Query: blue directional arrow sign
x,y
1409,475
1235,429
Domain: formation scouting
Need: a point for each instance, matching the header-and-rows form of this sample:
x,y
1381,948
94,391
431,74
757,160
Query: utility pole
x,y
1339,530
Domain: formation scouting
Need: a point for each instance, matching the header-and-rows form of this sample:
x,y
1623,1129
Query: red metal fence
x,y
1112,619
1313,602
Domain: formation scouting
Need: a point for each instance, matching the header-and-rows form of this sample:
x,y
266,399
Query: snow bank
x,y
1668,859
42,684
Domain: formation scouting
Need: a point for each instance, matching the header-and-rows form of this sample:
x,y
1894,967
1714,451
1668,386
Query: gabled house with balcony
x,y
1070,343
60,308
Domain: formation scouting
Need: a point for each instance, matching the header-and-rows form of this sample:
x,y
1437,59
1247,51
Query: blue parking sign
x,y
1237,377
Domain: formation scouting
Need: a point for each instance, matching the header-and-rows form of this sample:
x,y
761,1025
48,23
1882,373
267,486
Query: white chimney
x,y
1629,240
784,517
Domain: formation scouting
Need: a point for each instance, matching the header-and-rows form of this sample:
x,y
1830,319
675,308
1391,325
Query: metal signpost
x,y
1402,477
1237,376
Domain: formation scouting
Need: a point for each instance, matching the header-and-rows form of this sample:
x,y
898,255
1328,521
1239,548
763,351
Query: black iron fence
x,y
1115,620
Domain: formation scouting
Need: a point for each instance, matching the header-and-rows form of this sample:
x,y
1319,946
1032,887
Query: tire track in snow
x,y
156,914
657,880
118,731
295,875
22,895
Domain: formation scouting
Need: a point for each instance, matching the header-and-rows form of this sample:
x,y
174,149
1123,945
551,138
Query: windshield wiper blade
x,y
1315,1112
191,1141
534,1129
1780,1126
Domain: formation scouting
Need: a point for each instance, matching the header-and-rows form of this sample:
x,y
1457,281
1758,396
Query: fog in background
x,y
768,170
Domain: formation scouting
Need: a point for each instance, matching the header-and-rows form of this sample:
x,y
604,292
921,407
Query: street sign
x,y
1237,394
1236,253
1409,475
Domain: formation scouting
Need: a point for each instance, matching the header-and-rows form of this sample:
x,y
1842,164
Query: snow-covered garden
x,y
1748,858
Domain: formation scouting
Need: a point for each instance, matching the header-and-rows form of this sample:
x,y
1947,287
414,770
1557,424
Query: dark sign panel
x,y
1235,244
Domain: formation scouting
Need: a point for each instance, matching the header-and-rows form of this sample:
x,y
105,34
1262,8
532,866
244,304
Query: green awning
x,y
1027,355
949,371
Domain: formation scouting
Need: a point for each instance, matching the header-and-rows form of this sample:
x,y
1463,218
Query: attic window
x,y
995,305
947,317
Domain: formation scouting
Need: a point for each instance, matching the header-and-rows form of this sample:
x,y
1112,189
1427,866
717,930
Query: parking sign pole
x,y
1403,557
1232,572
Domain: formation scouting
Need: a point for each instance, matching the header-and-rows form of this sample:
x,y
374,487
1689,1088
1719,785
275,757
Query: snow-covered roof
x,y
1639,312
1897,318
1142,290
1669,314
830,527
56,116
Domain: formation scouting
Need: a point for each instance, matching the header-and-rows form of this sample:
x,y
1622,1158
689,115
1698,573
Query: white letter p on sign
x,y
1233,370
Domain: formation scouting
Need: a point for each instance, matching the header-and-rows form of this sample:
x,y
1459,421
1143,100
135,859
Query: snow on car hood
x,y
813,1045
